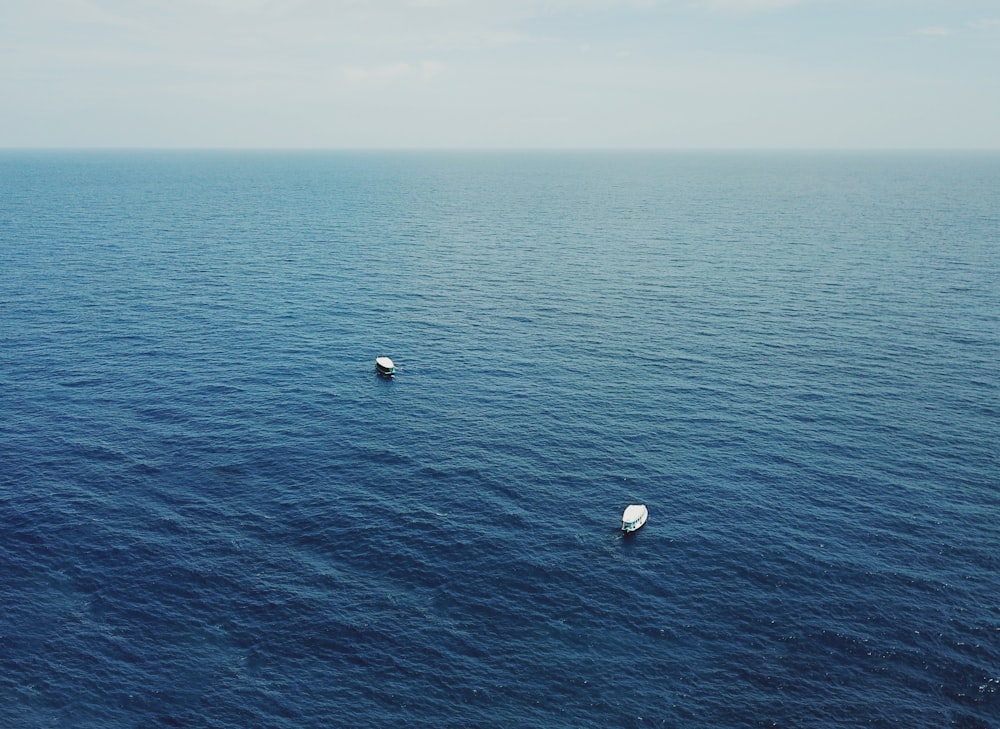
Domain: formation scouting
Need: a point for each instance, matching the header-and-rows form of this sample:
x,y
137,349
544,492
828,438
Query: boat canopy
x,y
384,362
633,512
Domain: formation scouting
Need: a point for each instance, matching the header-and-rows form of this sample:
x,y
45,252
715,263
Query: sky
x,y
500,74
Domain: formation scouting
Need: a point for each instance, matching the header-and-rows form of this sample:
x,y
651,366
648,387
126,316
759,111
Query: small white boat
x,y
384,366
634,517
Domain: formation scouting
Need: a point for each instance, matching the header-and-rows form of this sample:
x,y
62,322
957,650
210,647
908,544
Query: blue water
x,y
213,513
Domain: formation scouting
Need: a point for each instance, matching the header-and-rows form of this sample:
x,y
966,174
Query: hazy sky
x,y
499,74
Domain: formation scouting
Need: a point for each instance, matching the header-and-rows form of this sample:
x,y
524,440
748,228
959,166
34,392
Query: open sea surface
x,y
213,513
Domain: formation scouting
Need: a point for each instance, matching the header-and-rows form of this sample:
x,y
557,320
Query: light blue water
x,y
214,514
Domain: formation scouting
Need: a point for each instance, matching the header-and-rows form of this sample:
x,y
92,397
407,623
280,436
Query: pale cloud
x,y
387,72
937,31
429,69
383,72
989,24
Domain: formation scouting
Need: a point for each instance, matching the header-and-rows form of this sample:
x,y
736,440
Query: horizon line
x,y
199,148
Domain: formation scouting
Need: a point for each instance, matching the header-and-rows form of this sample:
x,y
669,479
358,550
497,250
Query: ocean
x,y
214,513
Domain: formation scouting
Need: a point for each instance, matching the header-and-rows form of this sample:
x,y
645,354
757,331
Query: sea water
x,y
213,512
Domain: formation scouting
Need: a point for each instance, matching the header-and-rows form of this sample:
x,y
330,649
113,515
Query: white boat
x,y
634,517
384,366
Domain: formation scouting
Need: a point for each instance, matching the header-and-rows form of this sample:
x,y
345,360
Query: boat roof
x,y
633,511
384,361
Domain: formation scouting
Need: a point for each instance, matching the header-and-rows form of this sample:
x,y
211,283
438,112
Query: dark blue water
x,y
214,514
